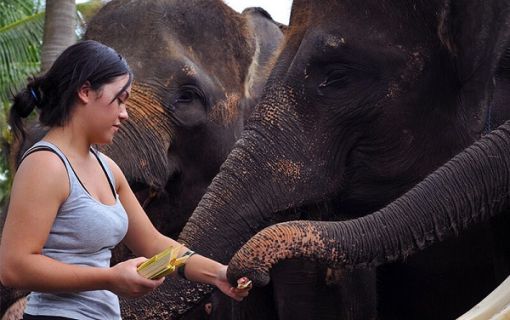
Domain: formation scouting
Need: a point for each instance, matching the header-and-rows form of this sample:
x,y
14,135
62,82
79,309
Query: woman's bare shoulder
x,y
42,160
43,171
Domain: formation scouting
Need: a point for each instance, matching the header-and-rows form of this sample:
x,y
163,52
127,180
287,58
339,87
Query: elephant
x,y
469,189
364,101
199,68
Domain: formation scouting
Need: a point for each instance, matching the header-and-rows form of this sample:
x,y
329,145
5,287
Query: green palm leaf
x,y
21,28
20,46
21,34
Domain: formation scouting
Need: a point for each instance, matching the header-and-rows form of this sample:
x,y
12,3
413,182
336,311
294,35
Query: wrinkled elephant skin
x,y
476,182
365,100
199,68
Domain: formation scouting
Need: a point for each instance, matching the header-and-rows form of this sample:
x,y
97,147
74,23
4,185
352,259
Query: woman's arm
x,y
145,240
40,186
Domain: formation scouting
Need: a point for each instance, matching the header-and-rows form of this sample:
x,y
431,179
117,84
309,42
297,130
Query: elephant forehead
x,y
382,22
172,64
154,34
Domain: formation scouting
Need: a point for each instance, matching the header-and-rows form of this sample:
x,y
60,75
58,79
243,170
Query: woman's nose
x,y
123,115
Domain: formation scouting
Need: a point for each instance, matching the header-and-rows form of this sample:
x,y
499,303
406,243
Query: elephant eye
x,y
184,97
336,78
188,93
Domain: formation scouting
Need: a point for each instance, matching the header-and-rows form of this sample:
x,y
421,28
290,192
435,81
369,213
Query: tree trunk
x,y
59,30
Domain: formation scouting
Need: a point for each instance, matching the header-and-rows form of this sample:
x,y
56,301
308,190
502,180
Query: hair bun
x,y
25,102
34,95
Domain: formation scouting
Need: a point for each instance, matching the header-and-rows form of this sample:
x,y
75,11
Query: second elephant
x,y
365,100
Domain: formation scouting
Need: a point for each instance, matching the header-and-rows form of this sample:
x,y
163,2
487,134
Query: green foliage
x,y
21,30
21,34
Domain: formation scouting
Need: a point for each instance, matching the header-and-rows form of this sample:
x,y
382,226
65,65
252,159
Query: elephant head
x,y
472,187
365,99
199,68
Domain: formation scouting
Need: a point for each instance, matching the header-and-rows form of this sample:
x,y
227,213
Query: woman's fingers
x,y
244,286
244,283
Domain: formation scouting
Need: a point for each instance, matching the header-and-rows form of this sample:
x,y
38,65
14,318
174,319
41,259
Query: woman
x,y
70,205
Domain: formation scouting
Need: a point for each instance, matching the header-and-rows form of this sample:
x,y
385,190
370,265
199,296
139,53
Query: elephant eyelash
x,y
337,78
342,75
193,91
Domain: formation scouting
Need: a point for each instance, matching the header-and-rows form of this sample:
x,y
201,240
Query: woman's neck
x,y
73,145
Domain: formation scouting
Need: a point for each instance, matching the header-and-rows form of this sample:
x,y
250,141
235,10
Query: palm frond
x,y
14,10
20,44
21,34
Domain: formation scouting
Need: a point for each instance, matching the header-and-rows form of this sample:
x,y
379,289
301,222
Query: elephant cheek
x,y
226,112
141,146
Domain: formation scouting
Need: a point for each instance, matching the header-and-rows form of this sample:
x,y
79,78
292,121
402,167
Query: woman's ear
x,y
84,93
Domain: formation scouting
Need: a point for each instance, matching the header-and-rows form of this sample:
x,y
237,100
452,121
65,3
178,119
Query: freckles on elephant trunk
x,y
468,189
231,211
261,176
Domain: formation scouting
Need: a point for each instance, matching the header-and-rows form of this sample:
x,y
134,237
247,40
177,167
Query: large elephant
x,y
469,189
199,68
365,100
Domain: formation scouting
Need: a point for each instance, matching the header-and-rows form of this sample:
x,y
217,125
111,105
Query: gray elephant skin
x,y
440,207
199,69
365,100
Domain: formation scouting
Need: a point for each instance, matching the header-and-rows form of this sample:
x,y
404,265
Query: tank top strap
x,y
48,146
43,145
106,169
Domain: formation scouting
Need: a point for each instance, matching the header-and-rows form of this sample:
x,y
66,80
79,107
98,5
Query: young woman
x,y
70,204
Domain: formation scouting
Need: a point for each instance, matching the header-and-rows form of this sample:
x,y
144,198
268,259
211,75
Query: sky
x,y
278,9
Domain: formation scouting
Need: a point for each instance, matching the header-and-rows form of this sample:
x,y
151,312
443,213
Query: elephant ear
x,y
265,36
476,32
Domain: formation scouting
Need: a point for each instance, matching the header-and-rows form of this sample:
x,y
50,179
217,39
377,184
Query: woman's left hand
x,y
243,285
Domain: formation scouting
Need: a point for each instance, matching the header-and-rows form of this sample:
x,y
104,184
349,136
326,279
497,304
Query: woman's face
x,y
107,109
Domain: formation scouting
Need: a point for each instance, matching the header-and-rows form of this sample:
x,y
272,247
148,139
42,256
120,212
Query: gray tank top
x,y
84,233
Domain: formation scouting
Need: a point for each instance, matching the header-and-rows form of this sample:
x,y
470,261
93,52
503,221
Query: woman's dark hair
x,y
54,93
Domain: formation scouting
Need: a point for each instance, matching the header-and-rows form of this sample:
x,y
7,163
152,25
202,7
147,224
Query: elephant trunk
x,y
231,211
468,189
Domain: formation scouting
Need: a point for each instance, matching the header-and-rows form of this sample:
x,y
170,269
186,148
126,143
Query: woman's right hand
x,y
127,282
